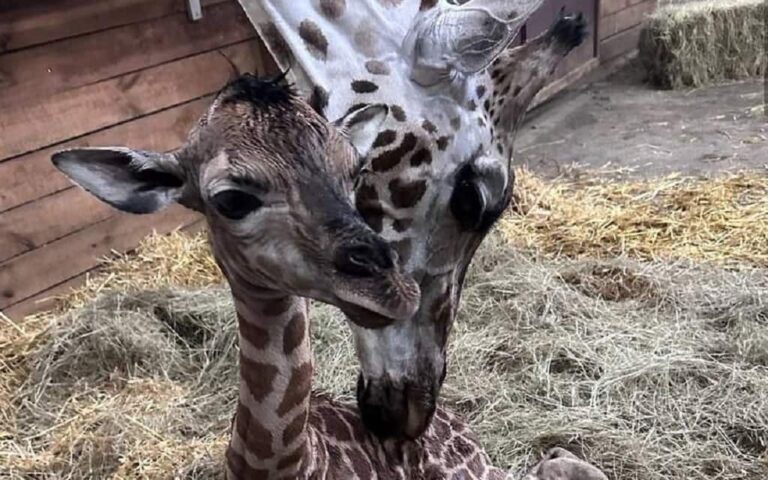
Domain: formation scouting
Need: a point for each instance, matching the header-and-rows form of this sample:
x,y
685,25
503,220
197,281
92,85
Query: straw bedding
x,y
651,362
696,43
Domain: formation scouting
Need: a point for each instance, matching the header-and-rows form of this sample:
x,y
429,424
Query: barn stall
x,y
139,72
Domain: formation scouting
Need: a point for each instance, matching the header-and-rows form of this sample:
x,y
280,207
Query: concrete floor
x,y
621,123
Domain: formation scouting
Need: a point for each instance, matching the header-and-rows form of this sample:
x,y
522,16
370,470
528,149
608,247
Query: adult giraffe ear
x,y
463,38
361,126
133,181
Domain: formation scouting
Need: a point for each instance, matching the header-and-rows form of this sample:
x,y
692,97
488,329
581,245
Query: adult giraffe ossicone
x,y
439,174
274,182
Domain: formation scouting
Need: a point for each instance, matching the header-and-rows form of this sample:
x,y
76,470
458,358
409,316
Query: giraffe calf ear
x,y
361,126
133,181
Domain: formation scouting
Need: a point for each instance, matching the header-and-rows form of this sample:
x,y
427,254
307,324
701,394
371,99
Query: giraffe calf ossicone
x,y
274,181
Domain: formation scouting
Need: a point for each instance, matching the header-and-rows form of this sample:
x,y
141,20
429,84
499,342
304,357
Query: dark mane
x,y
261,92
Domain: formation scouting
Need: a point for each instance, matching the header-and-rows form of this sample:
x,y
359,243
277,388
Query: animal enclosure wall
x,y
90,73
620,25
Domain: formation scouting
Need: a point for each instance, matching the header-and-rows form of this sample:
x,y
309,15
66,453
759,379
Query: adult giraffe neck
x,y
270,436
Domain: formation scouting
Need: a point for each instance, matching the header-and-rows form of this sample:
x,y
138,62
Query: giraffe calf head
x,y
274,181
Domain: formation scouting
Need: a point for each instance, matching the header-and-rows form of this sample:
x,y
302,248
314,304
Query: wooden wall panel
x,y
619,26
625,19
87,59
58,261
76,112
161,131
32,22
97,73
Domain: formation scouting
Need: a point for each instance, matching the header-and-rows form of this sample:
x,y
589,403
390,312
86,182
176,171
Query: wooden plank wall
x,y
88,73
620,24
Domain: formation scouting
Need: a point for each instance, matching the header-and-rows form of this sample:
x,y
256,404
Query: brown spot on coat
x,y
442,142
313,37
257,376
255,335
517,90
429,126
456,123
294,429
384,138
319,99
422,155
298,388
389,159
294,333
273,308
406,194
272,37
398,113
477,465
472,105
255,436
336,427
480,91
427,4
333,8
293,458
364,86
242,469
365,39
377,68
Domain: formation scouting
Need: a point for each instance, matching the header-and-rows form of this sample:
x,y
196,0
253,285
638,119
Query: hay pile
x,y
652,369
702,42
723,219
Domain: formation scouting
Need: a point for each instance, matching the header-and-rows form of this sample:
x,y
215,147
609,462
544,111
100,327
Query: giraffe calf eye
x,y
235,204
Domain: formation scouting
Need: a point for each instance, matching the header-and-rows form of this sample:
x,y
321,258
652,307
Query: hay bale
x,y
702,42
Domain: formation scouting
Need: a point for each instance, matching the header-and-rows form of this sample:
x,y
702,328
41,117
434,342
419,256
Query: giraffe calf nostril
x,y
363,259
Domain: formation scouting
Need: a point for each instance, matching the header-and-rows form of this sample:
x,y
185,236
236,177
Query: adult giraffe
x,y
439,174
274,180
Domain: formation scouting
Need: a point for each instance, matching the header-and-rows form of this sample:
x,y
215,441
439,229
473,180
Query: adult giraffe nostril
x,y
364,259
393,411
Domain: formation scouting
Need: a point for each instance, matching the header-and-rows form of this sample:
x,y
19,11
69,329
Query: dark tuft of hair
x,y
260,92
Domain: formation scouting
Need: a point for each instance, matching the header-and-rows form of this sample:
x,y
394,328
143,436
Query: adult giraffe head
x,y
439,172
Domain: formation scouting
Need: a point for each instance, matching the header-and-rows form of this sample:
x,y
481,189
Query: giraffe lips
x,y
378,302
366,318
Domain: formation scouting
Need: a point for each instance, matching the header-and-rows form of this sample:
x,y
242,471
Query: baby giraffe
x,y
274,181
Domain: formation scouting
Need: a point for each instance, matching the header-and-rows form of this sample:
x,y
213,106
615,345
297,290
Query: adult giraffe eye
x,y
235,204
